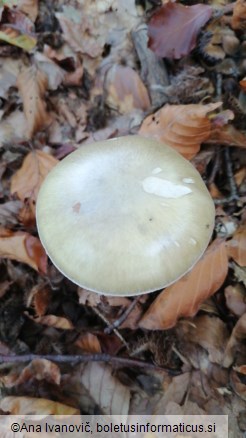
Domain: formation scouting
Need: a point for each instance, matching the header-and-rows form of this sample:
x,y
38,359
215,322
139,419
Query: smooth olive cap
x,y
124,216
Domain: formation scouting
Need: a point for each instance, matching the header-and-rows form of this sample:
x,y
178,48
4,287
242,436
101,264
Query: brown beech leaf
x,y
39,369
29,7
228,136
208,332
174,27
89,343
24,248
35,406
184,127
27,180
17,29
237,337
236,299
238,20
126,91
236,247
185,296
243,83
58,322
32,84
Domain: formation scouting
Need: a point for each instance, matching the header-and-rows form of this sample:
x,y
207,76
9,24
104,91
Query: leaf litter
x,y
73,73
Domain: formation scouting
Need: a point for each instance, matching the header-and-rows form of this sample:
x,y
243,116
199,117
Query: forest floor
x,y
75,72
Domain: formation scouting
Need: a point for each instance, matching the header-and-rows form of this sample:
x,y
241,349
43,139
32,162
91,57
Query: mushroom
x,y
124,216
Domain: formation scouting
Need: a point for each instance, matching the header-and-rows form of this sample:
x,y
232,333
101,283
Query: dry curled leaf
x,y
27,180
185,296
17,29
243,84
58,322
184,127
173,29
236,247
39,369
236,299
88,343
237,337
24,248
238,20
208,332
32,84
35,406
29,7
106,390
126,91
228,136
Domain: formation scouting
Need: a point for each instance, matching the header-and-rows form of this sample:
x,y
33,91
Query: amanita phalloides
x,y
124,216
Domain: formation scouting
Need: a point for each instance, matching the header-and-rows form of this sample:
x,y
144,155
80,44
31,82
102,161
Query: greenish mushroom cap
x,y
124,216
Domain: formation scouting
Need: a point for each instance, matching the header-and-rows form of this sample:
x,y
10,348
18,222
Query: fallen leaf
x,y
237,337
27,180
243,83
88,343
174,391
9,71
238,20
236,247
53,72
238,385
240,176
208,332
126,91
39,369
24,248
29,7
17,29
240,273
13,128
35,406
107,391
185,296
236,299
184,127
32,84
41,299
228,136
173,29
79,31
58,322
9,212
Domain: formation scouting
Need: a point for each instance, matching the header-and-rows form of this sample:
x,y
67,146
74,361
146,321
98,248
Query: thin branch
x,y
116,332
79,358
123,317
231,181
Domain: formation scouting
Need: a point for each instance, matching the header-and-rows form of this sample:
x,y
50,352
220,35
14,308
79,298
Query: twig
x,y
117,333
123,317
153,69
78,358
231,181
215,168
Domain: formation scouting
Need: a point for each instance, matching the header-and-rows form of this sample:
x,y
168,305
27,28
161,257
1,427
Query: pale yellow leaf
x,y
35,406
107,391
58,322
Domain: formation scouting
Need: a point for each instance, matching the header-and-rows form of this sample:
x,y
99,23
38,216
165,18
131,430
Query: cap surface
x,y
124,216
